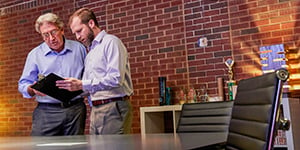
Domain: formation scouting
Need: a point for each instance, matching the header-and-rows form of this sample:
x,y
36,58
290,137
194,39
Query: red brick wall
x,y
161,37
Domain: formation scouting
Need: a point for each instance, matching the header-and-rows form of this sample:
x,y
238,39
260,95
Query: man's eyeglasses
x,y
52,33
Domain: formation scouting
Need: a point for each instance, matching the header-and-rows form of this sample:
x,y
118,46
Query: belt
x,y
61,105
105,101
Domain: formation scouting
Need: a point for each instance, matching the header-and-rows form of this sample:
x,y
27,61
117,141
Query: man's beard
x,y
90,37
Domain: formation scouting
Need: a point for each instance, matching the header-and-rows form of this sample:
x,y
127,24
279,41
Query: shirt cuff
x,y
26,94
86,85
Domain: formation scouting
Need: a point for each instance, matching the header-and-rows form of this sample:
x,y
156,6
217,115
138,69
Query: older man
x,y
64,58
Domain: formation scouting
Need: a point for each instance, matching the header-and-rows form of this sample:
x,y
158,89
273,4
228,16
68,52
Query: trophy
x,y
231,83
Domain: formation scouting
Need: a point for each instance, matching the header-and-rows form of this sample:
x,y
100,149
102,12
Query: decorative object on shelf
x,y
181,95
192,96
221,89
162,90
231,83
202,95
168,96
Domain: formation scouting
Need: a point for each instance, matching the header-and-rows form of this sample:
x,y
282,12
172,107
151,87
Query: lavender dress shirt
x,y
107,69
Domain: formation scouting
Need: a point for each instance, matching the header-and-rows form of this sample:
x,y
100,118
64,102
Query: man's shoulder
x,y
39,48
73,42
111,37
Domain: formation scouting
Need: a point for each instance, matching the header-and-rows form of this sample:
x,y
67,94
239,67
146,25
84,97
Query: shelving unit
x,y
152,118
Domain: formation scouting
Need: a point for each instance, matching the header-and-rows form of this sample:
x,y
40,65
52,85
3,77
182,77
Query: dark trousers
x,y
50,120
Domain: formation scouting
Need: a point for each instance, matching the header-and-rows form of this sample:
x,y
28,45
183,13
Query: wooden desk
x,y
112,142
152,118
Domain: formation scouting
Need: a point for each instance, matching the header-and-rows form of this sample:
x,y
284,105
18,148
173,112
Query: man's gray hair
x,y
48,18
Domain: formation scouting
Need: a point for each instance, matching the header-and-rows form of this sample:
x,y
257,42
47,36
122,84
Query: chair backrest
x,y
205,117
255,112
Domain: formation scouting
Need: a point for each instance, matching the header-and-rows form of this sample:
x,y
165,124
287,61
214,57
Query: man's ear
x,y
91,23
63,31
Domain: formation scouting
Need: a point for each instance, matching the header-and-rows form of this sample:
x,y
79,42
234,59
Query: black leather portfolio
x,y
48,86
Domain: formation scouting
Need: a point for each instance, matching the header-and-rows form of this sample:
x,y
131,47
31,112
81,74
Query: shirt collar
x,y
98,39
47,50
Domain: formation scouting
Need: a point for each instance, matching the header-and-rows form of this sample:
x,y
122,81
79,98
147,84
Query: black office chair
x,y
255,114
205,117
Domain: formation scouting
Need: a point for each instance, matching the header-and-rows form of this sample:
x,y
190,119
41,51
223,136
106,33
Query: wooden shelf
x,y
152,118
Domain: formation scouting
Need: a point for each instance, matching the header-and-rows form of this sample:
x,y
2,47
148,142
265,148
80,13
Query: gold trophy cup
x,y
231,83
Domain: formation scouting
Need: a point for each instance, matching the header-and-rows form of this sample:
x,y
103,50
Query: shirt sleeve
x,y
29,76
115,65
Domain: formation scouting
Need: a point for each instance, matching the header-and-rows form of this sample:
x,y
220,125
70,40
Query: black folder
x,y
48,86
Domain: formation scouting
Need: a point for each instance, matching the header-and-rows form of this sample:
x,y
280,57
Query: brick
x,y
222,54
203,32
179,48
149,30
270,27
181,70
142,37
239,13
155,12
240,26
211,13
171,42
284,12
170,9
168,49
213,36
191,58
193,16
282,33
165,38
149,41
163,27
156,23
197,74
148,19
120,15
261,35
219,17
219,5
133,12
266,2
178,25
191,5
272,41
249,31
221,29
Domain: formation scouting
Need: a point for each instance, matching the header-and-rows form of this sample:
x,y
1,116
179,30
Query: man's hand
x,y
33,92
70,84
38,93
